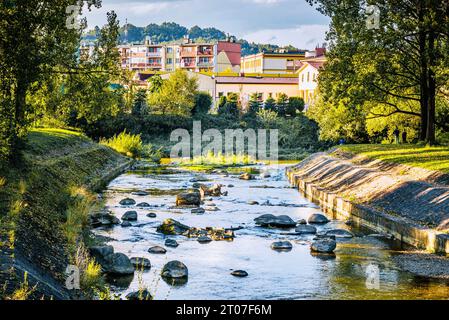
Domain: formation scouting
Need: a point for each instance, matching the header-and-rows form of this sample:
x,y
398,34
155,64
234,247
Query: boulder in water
x,y
172,227
140,193
340,233
318,218
121,265
171,243
128,202
305,229
239,273
246,176
281,245
204,239
189,199
130,216
157,250
175,270
103,218
269,220
143,295
141,263
152,215
324,246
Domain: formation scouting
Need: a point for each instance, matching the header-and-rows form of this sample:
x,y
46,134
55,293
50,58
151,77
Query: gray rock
x,y
189,199
305,229
324,237
239,273
198,211
230,186
140,263
253,203
246,176
281,245
302,221
157,250
269,220
171,243
152,215
214,191
204,239
143,295
340,233
104,256
349,222
126,224
128,202
318,218
140,193
130,216
143,205
121,265
175,270
211,208
172,227
324,246
103,218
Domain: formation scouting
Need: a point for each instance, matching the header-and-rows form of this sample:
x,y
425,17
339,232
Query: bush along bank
x,y
45,199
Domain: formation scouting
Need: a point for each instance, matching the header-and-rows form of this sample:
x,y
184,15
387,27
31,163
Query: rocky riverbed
x,y
249,236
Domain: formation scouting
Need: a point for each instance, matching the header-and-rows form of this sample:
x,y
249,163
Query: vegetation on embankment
x,y
430,158
44,202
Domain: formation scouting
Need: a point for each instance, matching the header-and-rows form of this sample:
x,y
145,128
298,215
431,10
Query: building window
x,y
308,76
303,77
169,60
169,50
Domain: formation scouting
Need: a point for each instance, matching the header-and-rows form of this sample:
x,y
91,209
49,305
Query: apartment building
x,y
277,62
191,56
308,76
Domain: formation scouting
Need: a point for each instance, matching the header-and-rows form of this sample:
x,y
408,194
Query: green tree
x,y
139,107
295,105
254,104
156,82
176,96
203,103
282,104
270,104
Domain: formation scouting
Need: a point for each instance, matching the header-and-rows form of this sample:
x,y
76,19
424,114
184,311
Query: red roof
x,y
247,80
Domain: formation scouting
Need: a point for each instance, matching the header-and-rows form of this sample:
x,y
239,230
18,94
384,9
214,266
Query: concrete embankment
x,y
36,197
411,204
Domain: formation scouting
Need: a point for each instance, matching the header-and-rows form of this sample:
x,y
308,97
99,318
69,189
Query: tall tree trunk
x,y
430,133
424,97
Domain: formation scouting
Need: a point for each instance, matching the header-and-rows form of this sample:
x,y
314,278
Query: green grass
x,y
431,158
125,143
45,197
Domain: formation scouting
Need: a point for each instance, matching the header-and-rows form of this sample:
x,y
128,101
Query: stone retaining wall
x,y
329,182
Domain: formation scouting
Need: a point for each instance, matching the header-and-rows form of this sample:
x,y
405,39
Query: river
x,y
296,274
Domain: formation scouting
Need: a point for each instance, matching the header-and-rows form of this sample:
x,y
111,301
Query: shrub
x,y
125,143
203,103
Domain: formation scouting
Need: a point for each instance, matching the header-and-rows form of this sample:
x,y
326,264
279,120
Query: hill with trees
x,y
171,31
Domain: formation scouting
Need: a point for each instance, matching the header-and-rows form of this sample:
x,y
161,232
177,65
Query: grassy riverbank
x,y
430,158
44,201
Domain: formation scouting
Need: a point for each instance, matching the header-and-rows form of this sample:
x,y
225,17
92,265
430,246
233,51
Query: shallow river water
x,y
296,274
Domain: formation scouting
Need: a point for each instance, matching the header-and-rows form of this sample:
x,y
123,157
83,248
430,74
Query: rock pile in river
x,y
175,270
269,220
110,262
318,218
103,218
188,199
173,227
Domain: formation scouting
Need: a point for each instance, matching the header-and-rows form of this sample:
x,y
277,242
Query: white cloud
x,y
303,37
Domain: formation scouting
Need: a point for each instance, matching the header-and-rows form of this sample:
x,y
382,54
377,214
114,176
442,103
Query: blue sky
x,y
278,22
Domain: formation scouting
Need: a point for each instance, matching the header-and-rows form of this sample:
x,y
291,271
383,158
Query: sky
x,y
280,22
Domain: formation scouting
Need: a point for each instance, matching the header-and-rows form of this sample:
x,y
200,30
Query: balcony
x,y
205,64
154,54
206,52
188,54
